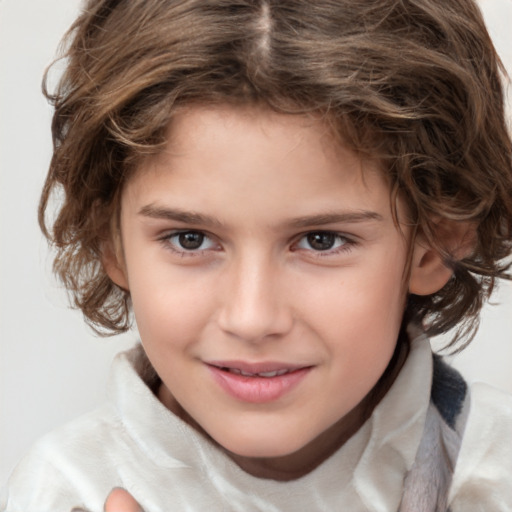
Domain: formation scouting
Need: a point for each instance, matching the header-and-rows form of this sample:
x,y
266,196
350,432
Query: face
x,y
266,275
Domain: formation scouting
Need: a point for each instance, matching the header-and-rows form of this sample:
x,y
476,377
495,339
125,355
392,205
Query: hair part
x,y
414,84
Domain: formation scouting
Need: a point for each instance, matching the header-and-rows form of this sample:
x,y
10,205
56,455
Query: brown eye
x,y
190,243
321,241
191,240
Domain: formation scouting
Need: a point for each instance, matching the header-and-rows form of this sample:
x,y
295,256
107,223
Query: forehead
x,y
203,129
194,120
257,158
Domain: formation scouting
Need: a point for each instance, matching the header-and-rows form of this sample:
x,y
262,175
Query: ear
x,y
429,272
113,263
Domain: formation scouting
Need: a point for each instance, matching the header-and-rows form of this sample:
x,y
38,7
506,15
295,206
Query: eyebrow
x,y
194,218
336,217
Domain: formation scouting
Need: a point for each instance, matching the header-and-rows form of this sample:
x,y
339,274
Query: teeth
x,y
272,374
276,373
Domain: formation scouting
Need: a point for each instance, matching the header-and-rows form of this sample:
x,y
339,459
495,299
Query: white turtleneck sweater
x,y
136,443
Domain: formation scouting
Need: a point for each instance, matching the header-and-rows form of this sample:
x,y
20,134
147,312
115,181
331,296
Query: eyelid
x,y
165,239
349,243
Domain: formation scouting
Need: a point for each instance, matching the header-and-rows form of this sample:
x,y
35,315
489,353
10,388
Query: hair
x,y
415,84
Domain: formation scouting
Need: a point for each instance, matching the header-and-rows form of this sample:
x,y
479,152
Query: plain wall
x,y
52,368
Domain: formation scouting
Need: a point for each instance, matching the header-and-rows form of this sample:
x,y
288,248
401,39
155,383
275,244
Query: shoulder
x,y
482,478
63,469
132,442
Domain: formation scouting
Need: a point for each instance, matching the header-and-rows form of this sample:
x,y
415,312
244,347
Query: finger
x,y
120,500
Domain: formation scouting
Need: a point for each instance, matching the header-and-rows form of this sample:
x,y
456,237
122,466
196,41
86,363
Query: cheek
x,y
358,300
169,309
359,314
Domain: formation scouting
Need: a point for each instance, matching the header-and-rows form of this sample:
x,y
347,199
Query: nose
x,y
255,304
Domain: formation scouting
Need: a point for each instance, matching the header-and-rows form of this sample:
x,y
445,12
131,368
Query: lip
x,y
255,389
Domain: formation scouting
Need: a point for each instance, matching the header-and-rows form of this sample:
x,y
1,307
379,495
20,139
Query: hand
x,y
120,500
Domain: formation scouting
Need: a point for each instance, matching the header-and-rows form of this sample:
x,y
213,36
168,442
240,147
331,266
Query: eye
x,y
323,241
189,241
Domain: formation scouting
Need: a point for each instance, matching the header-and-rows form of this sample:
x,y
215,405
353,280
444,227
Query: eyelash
x,y
347,244
168,243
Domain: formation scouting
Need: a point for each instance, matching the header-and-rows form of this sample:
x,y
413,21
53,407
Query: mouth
x,y
257,383
266,375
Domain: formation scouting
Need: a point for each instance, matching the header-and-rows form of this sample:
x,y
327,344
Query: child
x,y
290,195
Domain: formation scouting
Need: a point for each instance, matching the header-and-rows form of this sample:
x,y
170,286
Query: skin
x,y
120,501
290,250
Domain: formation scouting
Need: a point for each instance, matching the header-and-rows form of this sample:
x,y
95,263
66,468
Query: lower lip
x,y
258,390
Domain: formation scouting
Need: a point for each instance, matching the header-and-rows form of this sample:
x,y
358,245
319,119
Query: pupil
x,y
191,240
321,241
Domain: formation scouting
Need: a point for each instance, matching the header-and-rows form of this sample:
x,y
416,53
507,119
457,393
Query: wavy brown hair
x,y
413,83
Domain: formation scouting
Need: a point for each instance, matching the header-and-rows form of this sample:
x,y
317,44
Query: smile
x,y
238,371
257,383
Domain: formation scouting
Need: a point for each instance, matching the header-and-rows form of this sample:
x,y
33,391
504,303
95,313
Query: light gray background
x,y
51,366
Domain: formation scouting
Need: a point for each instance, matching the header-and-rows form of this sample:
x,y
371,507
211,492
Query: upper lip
x,y
256,367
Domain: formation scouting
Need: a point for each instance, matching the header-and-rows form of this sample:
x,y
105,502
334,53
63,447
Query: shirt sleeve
x,y
483,474
62,471
45,481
